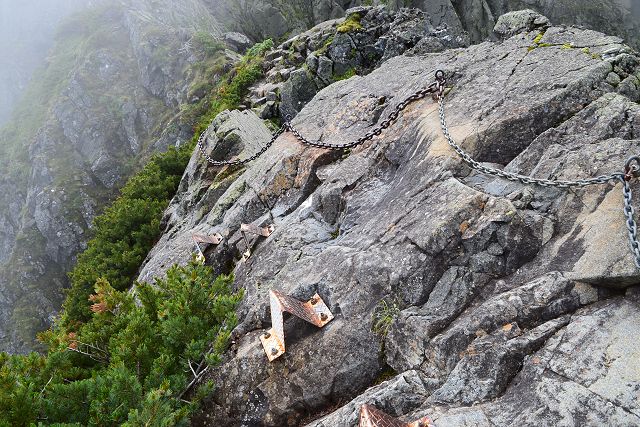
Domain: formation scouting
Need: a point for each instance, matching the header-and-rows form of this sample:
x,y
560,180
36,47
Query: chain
x,y
630,171
474,164
393,116
437,89
239,161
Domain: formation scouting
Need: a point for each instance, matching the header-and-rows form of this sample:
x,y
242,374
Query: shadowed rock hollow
x,y
517,305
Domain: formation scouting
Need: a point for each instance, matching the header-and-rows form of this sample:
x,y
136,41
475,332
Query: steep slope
x,y
118,77
156,73
106,99
487,290
124,80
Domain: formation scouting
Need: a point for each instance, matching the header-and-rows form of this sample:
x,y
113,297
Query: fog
x,y
26,33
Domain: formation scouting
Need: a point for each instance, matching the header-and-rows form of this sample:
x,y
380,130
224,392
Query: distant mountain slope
x,y
26,32
105,100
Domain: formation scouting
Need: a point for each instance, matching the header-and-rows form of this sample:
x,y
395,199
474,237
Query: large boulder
x,y
519,21
237,41
296,92
464,288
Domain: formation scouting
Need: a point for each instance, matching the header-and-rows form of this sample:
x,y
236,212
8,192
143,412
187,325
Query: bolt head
x,y
323,317
274,351
267,335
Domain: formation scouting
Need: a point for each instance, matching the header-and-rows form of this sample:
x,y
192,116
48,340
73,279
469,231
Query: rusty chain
x,y
437,88
202,137
393,116
631,170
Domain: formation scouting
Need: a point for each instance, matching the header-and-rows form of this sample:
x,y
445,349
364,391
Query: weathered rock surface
x,y
512,301
586,374
90,140
231,133
478,17
308,62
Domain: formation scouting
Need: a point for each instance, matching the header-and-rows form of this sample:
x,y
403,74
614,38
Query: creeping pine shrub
x,y
126,231
130,362
229,93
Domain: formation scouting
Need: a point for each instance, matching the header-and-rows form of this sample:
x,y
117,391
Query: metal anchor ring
x,y
439,84
632,170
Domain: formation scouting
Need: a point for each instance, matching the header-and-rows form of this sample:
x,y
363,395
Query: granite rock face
x,y
504,304
338,49
478,17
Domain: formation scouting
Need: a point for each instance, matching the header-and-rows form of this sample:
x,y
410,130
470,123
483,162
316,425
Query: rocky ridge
x,y
101,128
505,304
478,17
338,49
274,18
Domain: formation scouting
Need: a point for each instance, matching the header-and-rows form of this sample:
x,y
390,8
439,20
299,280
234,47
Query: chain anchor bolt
x,y
439,85
632,168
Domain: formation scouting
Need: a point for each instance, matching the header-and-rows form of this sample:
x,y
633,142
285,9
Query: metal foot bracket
x,y
254,229
314,311
214,239
370,416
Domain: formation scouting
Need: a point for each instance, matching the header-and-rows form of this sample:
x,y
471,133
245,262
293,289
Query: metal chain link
x,y
393,116
487,170
238,161
437,88
630,171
